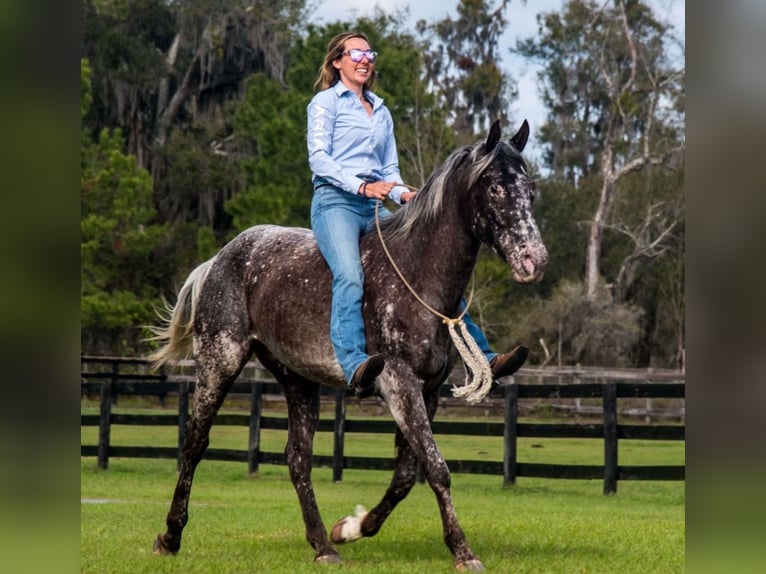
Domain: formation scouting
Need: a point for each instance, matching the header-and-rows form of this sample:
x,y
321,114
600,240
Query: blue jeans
x,y
477,334
339,219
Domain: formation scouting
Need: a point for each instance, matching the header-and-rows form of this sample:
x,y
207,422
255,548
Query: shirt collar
x,y
341,88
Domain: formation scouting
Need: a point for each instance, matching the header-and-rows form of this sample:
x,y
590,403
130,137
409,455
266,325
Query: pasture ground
x,y
240,524
245,524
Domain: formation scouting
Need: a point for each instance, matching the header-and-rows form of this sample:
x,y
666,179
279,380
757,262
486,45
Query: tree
x,y
116,240
270,126
167,74
463,66
616,103
128,260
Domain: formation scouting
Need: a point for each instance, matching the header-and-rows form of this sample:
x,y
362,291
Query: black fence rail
x,y
131,377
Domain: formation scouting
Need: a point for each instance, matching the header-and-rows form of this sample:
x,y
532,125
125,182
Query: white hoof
x,y
350,528
470,566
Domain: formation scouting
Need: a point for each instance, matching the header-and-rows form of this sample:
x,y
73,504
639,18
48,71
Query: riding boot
x,y
363,381
506,364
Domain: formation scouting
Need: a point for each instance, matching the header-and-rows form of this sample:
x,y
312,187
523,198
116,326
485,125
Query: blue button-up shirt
x,y
346,146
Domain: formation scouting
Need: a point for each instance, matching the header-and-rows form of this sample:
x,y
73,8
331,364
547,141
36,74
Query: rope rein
x,y
478,373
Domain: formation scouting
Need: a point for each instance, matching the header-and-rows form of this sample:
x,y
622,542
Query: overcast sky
x,y
521,24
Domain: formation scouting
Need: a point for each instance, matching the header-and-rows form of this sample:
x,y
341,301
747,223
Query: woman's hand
x,y
407,195
378,189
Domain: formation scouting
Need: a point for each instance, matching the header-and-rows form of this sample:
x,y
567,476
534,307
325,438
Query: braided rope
x,y
475,363
478,373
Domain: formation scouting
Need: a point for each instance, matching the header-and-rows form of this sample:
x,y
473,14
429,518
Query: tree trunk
x,y
596,236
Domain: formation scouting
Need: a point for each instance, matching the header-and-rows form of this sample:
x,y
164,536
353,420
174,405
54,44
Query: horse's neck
x,y
439,257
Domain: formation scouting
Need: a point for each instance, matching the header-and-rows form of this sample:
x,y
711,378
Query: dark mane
x,y
427,203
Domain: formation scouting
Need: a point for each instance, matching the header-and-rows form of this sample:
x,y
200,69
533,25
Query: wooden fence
x,y
130,377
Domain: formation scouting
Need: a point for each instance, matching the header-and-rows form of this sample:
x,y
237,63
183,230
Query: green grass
x,y
243,524
240,524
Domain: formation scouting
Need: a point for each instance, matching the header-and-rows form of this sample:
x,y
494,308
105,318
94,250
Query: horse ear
x,y
520,139
493,137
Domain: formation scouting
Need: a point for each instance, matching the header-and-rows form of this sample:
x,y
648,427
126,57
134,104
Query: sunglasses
x,y
356,55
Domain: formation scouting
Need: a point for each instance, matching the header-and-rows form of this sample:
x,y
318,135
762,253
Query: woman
x,y
353,159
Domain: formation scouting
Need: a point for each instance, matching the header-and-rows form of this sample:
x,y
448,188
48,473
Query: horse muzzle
x,y
528,262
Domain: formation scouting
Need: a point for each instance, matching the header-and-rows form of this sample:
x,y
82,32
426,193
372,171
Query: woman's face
x,y
354,74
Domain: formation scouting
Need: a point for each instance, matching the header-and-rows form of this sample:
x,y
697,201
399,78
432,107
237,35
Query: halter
x,y
478,373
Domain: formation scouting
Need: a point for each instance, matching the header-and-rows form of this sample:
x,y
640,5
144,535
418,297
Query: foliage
x,y
125,255
124,42
570,328
615,126
463,66
117,241
590,87
270,123
194,177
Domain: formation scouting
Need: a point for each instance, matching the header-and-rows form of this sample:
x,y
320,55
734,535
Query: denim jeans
x,y
339,219
477,334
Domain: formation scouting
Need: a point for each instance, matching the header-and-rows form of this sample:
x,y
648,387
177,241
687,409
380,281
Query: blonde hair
x,y
328,74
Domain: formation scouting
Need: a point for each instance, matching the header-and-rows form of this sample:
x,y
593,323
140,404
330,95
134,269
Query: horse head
x,y
503,196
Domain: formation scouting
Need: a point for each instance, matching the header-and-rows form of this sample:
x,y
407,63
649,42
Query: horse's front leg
x,y
414,442
303,417
411,412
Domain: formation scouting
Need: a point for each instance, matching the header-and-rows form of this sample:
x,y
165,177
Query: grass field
x,y
241,524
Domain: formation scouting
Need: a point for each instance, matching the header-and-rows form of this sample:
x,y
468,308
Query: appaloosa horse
x,y
267,292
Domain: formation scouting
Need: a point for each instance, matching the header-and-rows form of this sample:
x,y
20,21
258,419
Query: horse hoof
x,y
350,528
160,549
470,566
328,559
343,531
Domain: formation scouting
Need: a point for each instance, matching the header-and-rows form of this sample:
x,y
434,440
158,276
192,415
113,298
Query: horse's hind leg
x,y
303,417
368,524
217,368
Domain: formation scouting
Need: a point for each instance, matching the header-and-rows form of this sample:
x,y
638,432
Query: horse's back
x,y
281,285
284,288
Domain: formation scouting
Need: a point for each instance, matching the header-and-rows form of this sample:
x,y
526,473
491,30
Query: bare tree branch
x,y
649,238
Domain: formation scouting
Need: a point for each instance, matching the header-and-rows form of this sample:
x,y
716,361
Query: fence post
x,y
510,434
183,417
104,422
340,430
256,407
115,377
610,437
161,397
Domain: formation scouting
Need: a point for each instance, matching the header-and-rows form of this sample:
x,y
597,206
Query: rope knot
x,y
478,373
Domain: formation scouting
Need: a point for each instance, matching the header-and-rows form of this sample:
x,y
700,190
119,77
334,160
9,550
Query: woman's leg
x,y
477,334
338,222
